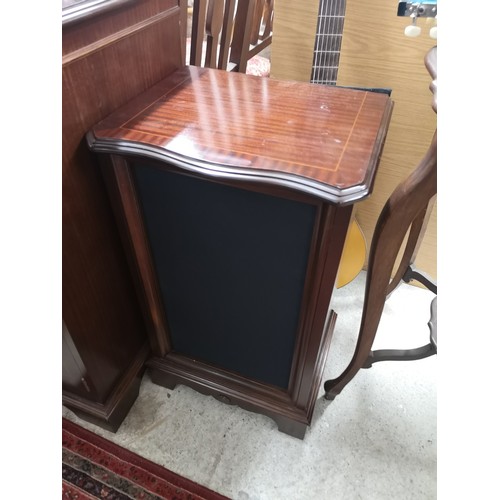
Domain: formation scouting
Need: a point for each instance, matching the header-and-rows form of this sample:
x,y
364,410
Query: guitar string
x,y
333,68
334,64
315,55
339,30
324,40
327,43
331,55
320,39
331,32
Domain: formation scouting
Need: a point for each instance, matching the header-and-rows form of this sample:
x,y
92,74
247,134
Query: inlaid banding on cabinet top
x,y
326,134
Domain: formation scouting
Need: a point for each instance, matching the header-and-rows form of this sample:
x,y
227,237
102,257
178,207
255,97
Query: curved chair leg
x,y
417,232
414,274
386,242
372,311
409,354
400,354
365,341
406,204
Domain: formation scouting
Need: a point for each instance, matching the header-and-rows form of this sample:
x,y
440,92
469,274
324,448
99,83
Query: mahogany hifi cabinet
x,y
233,195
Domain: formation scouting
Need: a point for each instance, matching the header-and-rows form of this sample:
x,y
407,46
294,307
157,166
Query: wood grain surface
x,y
106,61
314,136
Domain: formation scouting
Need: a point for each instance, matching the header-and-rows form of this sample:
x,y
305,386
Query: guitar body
x,y
353,255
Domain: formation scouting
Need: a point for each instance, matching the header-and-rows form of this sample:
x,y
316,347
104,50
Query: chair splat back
x,y
229,32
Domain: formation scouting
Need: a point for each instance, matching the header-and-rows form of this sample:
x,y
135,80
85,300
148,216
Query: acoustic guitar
x,y
324,71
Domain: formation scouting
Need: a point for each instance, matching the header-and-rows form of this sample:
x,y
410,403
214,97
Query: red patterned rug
x,y
93,467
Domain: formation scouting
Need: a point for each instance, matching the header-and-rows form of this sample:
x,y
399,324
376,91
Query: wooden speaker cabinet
x,y
234,195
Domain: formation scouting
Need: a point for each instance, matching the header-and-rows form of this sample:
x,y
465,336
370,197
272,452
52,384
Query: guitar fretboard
x,y
328,41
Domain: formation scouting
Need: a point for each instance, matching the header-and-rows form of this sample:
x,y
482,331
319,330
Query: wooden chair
x,y
407,208
226,34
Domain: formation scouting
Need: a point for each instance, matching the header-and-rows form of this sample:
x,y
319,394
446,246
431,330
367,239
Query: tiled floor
x,y
377,440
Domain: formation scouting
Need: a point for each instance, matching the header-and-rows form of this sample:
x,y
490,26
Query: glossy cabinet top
x,y
319,139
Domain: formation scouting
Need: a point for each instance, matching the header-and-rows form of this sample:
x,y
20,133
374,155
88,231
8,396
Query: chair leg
x,y
409,354
416,234
414,274
399,354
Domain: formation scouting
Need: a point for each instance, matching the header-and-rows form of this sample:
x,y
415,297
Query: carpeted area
x,y
95,468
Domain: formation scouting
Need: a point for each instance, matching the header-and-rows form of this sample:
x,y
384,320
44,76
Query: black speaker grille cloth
x,y
231,265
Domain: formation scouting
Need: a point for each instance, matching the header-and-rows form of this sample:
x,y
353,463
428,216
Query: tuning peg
x,y
433,32
413,30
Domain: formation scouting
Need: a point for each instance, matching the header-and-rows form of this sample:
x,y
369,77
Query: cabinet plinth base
x,y
110,414
231,389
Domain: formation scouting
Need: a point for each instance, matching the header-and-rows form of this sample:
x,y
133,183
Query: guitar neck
x,y
328,41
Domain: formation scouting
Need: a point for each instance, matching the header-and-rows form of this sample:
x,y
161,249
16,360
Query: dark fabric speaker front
x,y
231,266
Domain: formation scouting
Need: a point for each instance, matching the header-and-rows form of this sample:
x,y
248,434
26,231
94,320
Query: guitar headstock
x,y
414,10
